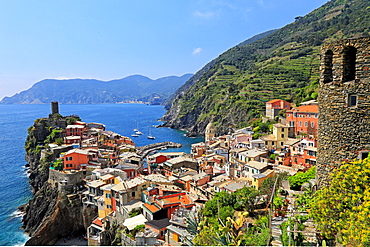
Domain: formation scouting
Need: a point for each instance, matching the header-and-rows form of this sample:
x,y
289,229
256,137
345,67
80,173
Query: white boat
x,y
135,135
138,132
151,137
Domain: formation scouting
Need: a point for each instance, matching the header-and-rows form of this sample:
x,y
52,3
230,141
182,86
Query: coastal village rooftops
x,y
268,138
153,208
292,141
131,223
256,164
180,198
157,178
75,126
187,178
180,159
159,224
253,153
168,154
200,176
134,182
235,186
78,151
306,108
259,176
107,187
106,177
95,184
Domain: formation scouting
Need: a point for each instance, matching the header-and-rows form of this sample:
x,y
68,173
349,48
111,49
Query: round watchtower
x,y
344,105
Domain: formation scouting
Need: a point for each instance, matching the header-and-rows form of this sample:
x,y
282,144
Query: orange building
x,y
75,159
75,130
274,106
303,119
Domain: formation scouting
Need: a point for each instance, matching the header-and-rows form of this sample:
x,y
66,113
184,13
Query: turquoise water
x,y
14,121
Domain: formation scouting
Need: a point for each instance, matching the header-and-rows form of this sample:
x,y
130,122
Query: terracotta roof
x,y
98,221
307,108
151,207
183,199
273,101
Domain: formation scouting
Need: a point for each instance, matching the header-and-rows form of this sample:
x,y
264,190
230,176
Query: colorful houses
x,y
303,120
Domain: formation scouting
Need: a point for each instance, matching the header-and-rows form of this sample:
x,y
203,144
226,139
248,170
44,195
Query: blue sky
x,y
111,39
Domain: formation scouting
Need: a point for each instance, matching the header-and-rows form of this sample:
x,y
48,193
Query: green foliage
x,y
302,177
58,164
341,211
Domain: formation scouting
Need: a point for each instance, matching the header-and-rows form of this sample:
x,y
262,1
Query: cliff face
x,y
51,216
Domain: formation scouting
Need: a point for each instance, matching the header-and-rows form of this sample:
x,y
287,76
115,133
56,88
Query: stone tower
x,y
54,107
344,105
210,132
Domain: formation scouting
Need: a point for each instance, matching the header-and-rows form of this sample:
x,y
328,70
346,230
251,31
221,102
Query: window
x,y
291,123
68,158
312,125
69,165
295,114
282,135
349,63
272,143
133,194
300,123
109,206
328,66
305,124
352,100
108,195
282,143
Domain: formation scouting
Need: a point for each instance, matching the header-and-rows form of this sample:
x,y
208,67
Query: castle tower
x,y
344,105
54,107
210,132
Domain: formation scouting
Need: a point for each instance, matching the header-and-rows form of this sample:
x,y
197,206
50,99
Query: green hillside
x,y
283,64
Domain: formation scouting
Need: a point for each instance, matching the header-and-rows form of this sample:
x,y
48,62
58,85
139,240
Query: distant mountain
x,y
232,89
90,91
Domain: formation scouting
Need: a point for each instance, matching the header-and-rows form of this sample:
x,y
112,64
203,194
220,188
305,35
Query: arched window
x,y
349,63
328,66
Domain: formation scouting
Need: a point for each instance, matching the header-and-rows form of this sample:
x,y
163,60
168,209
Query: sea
x,y
14,121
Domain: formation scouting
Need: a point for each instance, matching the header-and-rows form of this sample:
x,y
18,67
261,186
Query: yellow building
x,y
278,138
257,179
106,199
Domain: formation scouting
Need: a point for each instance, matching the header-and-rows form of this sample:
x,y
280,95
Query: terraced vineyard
x,y
232,89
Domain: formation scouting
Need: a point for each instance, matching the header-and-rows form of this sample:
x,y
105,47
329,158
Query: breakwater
x,y
144,150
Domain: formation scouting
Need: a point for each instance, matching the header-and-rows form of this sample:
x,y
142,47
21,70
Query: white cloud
x,y
205,15
196,51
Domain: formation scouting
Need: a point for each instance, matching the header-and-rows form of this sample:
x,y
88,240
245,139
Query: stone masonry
x,y
344,105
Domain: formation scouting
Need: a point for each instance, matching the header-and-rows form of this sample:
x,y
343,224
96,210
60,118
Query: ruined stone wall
x,y
344,127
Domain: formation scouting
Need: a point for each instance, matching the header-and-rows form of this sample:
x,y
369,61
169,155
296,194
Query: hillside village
x,y
106,171
242,180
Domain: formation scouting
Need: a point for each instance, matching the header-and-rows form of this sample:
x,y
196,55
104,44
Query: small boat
x,y
135,135
138,132
151,137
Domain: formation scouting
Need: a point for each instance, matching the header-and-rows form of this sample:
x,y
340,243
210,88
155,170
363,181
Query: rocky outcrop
x,y
51,216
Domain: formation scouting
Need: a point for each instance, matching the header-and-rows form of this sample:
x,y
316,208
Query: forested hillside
x,y
233,88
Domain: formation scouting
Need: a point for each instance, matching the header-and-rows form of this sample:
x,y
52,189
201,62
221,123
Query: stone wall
x,y
344,127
